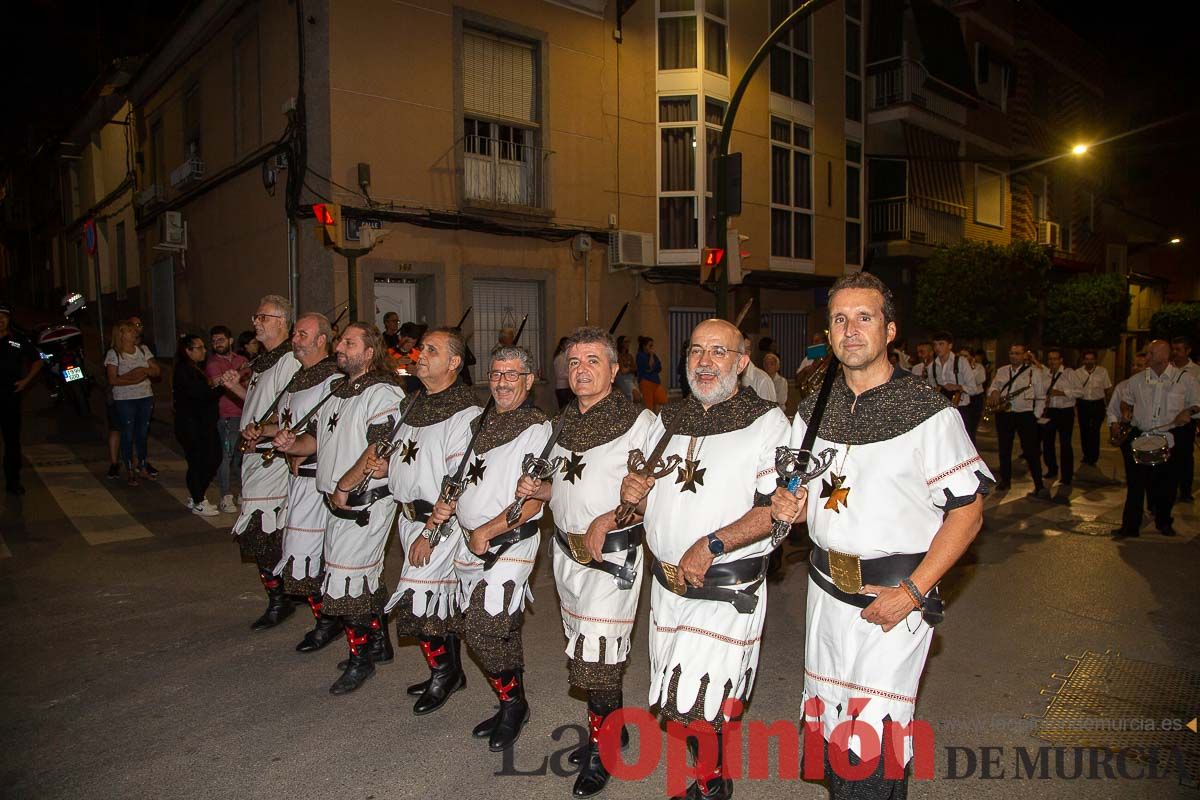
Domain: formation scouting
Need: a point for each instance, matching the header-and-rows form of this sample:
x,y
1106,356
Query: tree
x,y
1176,319
980,290
1087,311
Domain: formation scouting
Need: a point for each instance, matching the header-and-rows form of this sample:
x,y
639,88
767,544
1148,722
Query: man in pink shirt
x,y
229,420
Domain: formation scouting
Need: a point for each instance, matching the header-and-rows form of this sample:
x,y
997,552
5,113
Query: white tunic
x,y
427,453
895,505
706,637
485,498
354,553
308,516
264,487
587,486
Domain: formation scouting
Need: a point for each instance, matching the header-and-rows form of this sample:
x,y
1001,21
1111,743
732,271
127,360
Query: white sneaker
x,y
228,506
205,509
190,505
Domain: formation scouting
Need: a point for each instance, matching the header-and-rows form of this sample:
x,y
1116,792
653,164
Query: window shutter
x,y
498,78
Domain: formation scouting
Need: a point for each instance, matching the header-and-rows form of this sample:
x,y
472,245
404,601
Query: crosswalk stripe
x,y
172,476
87,502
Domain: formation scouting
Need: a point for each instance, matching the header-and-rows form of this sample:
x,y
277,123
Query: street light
x,y
1079,149
1176,240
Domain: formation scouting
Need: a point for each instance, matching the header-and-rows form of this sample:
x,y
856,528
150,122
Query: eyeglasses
x,y
716,351
257,317
508,375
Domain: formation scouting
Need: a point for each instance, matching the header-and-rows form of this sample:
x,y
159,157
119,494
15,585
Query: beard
x,y
351,365
715,393
222,350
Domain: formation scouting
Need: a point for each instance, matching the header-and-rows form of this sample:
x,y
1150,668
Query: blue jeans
x,y
229,431
134,416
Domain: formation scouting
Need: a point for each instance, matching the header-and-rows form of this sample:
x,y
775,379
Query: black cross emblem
x,y
253,383
475,473
574,468
285,419
690,475
333,422
409,451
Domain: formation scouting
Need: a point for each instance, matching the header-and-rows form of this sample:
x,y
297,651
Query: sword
x,y
613,328
270,455
540,467
463,318
792,466
654,466
385,449
737,323
247,445
453,485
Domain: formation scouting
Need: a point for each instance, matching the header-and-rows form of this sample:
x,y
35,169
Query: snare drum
x,y
1151,449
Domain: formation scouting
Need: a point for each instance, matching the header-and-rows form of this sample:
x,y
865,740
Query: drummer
x,y
1163,399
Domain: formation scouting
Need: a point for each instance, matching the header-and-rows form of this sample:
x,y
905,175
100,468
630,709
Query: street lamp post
x,y
720,196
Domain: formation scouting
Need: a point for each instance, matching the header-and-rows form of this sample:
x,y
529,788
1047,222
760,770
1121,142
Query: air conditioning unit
x,y
150,195
1049,233
187,173
173,230
630,249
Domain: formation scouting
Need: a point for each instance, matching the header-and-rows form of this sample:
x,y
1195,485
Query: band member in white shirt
x,y
1185,440
975,408
920,367
951,375
1094,386
757,380
1163,400
1061,393
1018,392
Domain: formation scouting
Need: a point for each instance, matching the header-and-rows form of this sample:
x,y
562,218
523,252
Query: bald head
x,y
1158,355
727,331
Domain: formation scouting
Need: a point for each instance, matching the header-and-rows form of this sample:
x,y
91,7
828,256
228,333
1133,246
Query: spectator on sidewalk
x,y
130,367
649,373
196,396
771,367
562,388
19,363
229,413
391,330
627,373
247,346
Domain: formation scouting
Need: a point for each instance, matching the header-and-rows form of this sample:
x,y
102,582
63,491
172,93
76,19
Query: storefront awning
x,y
934,171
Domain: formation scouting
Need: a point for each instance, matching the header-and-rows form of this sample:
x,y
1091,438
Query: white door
x,y
395,295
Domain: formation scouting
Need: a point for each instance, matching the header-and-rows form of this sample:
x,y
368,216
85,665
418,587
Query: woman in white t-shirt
x,y
130,367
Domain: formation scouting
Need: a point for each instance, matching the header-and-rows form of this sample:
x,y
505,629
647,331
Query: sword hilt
x,y
537,468
451,490
382,450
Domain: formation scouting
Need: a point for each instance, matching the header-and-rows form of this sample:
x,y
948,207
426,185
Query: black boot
x,y
279,605
446,675
325,631
593,777
359,666
380,643
418,689
577,757
514,710
715,786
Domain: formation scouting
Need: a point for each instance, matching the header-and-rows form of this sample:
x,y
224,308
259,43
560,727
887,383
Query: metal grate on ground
x,y
1116,703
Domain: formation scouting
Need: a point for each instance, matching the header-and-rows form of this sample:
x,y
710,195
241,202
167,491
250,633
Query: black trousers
x,y
1158,482
202,448
974,413
10,434
1185,452
1022,425
1091,421
1061,427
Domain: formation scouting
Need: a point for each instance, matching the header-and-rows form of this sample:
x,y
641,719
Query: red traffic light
x,y
323,214
713,256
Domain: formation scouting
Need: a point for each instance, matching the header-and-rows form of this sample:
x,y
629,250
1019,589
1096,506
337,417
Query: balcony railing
x,y
503,172
898,219
899,81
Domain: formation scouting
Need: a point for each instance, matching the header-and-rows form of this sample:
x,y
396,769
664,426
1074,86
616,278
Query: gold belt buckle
x,y
846,571
674,579
578,545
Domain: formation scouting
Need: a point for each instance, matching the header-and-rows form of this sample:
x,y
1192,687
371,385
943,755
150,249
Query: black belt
x,y
883,571
416,510
306,471
717,578
627,540
361,515
504,542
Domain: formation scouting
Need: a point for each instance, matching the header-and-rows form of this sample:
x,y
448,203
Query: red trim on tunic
x,y
953,470
847,685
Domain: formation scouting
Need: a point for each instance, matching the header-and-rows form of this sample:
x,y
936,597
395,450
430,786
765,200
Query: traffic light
x,y
329,224
736,254
710,261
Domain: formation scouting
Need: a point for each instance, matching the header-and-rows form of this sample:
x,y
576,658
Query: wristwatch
x,y
715,545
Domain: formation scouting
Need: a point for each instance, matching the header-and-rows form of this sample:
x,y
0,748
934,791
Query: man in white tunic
x,y
1018,393
363,411
708,526
429,445
598,591
952,375
494,565
898,507
259,526
1094,385
1062,390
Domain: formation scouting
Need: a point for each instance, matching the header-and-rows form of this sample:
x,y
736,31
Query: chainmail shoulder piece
x,y
885,412
501,429
734,414
610,418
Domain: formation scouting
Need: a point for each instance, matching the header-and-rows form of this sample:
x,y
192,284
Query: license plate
x,y
73,374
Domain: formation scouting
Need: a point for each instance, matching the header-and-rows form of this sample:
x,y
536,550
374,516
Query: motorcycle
x,y
60,346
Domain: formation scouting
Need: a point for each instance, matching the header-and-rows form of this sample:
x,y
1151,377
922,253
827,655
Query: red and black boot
x,y
358,666
279,605
325,631
593,777
379,642
514,710
444,655
577,757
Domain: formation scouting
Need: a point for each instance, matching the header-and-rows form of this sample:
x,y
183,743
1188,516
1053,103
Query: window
x,y
247,100
992,76
681,22
158,172
854,93
989,196
791,59
714,115
502,159
677,193
501,304
191,122
791,190
853,202
122,264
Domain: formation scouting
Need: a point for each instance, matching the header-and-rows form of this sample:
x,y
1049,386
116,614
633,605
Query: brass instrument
x,y
809,379
1119,437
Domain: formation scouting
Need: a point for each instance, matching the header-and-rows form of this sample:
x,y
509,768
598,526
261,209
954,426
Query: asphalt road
x,y
129,670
